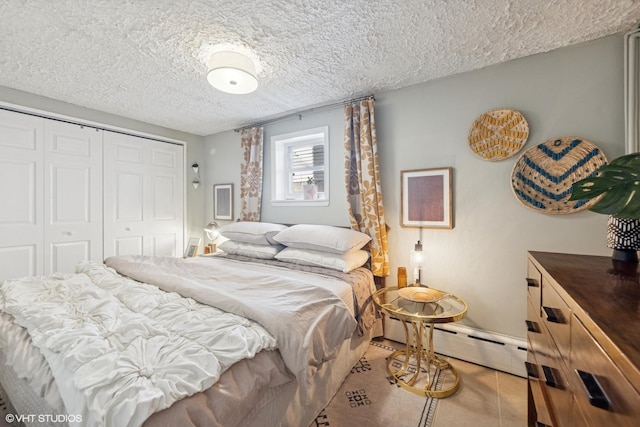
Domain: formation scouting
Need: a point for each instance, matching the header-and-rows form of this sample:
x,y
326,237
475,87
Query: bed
x,y
260,335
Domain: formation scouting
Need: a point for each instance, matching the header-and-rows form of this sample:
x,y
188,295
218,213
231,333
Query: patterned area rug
x,y
369,397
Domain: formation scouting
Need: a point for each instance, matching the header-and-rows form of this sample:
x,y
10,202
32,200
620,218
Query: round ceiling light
x,y
232,72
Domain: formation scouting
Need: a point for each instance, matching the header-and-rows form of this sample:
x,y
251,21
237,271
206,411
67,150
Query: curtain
x,y
251,141
362,175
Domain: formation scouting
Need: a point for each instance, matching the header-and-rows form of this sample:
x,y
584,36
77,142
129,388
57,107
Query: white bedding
x,y
307,332
304,311
126,352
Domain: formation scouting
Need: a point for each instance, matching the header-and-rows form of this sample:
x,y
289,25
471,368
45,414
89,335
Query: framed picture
x,y
192,247
427,196
223,201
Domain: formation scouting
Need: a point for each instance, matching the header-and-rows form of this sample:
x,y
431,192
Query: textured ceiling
x,y
146,59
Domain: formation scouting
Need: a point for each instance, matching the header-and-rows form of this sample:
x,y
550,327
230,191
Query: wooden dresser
x,y
583,358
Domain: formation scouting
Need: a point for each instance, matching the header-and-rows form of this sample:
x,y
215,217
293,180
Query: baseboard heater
x,y
496,351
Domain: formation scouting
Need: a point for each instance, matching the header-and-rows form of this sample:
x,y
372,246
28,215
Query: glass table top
x,y
420,304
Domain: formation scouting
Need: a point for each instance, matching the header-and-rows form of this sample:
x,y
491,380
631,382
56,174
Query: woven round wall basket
x,y
498,134
542,177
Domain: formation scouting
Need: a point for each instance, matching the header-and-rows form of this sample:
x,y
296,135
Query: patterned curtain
x,y
364,193
251,173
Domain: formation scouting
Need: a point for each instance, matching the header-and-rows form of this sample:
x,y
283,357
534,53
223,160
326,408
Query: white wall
x,y
195,198
574,91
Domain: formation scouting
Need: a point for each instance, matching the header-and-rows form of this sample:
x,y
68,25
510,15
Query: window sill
x,y
300,202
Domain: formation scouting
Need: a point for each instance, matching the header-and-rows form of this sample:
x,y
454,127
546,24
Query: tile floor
x,y
486,398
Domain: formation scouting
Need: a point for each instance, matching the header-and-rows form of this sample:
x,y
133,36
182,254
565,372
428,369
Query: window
x,y
300,164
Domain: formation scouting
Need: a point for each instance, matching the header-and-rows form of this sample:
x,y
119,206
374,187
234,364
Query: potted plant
x,y
310,189
617,187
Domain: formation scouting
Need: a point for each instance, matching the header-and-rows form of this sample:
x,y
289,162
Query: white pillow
x,y
322,238
258,233
341,262
250,249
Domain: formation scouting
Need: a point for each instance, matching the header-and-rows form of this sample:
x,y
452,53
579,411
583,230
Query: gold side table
x,y
421,308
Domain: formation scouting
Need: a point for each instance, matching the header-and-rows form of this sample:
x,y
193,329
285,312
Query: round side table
x,y
421,308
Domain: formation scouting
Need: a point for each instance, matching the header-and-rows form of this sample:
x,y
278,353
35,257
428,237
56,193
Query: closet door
x,y
73,195
143,196
21,193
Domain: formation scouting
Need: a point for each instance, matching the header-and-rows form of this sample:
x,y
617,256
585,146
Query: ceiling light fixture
x,y
232,72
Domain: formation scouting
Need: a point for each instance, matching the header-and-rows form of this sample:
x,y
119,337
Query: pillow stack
x,y
252,239
323,245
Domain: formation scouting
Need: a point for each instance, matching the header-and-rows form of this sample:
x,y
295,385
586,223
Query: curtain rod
x,y
300,113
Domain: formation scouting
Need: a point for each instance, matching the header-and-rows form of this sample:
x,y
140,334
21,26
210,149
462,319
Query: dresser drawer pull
x,y
531,326
597,396
552,316
531,370
532,283
549,378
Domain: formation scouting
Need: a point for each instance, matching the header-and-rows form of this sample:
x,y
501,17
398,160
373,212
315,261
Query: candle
x,y
402,277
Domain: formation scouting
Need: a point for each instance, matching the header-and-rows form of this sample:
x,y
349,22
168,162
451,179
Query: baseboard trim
x,y
490,349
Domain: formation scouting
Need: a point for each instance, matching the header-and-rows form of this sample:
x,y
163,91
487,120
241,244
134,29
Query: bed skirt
x,y
284,405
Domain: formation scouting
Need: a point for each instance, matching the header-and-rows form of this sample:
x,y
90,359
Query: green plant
x,y
618,186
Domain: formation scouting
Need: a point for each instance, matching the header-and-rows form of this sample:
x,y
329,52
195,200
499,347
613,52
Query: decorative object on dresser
x,y
583,323
623,236
543,176
615,191
498,134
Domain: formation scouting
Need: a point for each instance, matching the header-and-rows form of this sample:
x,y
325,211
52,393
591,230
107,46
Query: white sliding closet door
x,y
143,196
21,190
73,195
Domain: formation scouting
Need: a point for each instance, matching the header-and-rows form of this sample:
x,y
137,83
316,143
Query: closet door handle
x,y
549,378
69,233
551,315
531,326
597,396
532,283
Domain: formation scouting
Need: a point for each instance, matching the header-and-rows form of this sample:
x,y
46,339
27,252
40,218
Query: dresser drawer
x,y
552,377
603,394
556,317
539,414
534,327
534,283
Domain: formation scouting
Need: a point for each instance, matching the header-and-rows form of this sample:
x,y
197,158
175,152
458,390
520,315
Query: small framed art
x,y
427,196
223,202
192,247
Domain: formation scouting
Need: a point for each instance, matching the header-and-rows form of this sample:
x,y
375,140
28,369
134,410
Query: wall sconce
x,y
417,260
196,178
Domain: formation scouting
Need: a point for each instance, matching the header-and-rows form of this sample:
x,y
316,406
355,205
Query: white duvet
x,y
303,311
121,350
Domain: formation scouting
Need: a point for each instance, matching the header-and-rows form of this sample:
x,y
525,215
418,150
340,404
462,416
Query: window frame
x,y
281,172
